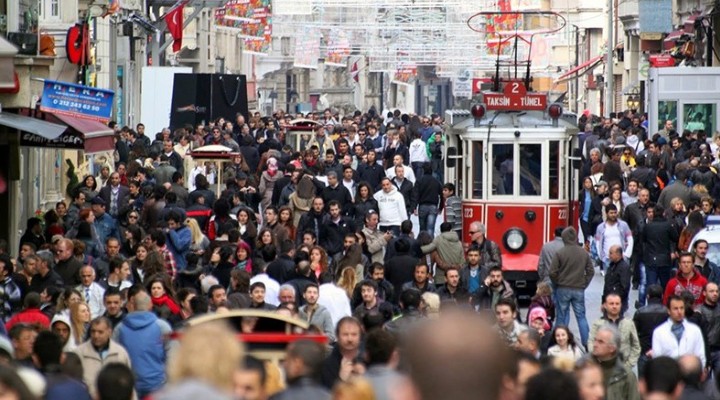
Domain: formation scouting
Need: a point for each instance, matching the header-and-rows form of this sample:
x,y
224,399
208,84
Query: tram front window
x,y
502,177
531,169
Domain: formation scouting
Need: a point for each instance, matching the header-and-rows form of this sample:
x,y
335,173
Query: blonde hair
x,y
432,304
77,326
348,280
354,389
212,362
195,232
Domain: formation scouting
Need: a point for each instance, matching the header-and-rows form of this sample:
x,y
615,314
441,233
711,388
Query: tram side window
x,y
554,171
477,170
530,169
502,164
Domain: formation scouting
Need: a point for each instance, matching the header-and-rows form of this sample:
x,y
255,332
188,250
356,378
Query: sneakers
x,y
602,272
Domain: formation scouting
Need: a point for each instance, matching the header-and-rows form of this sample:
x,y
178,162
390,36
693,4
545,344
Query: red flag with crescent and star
x,y
174,21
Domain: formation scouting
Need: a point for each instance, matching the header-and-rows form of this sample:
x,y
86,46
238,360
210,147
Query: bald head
x,y
142,302
456,365
691,370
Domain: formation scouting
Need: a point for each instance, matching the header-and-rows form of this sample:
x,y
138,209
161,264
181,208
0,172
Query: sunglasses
x,y
133,217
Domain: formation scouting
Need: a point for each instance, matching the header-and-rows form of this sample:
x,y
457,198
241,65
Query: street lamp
x,y
633,102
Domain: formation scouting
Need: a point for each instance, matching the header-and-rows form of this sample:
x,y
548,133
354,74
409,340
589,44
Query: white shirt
x,y
392,207
335,300
409,174
94,298
272,288
611,238
664,342
418,151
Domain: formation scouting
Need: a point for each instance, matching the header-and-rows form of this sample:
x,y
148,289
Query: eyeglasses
x,y
627,154
133,217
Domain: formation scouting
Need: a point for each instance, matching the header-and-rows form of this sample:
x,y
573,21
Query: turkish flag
x,y
174,21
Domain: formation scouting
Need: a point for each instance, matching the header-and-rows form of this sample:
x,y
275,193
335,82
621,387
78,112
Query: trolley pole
x,y
609,66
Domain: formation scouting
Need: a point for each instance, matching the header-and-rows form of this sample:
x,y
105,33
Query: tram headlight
x,y
515,240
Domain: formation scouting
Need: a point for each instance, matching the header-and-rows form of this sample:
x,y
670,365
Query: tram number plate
x,y
562,214
468,213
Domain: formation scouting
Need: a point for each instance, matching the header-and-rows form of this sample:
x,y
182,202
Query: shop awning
x,y
43,129
581,69
98,136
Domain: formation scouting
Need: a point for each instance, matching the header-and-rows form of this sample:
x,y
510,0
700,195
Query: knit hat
x,y
272,164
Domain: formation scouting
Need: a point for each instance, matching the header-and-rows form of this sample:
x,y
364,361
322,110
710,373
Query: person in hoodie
x,y
688,278
449,249
179,238
145,337
392,207
571,272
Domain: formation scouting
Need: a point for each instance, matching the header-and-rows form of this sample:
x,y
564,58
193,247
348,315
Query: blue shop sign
x,y
77,100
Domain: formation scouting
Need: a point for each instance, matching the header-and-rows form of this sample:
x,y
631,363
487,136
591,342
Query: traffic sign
x,y
515,98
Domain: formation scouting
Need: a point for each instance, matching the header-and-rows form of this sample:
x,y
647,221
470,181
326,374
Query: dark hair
x,y
552,383
256,285
654,291
48,349
115,263
312,355
199,305
675,297
32,300
410,299
661,374
507,302
379,346
251,363
115,381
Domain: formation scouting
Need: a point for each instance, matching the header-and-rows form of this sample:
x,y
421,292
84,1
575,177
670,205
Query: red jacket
x,y
30,316
679,284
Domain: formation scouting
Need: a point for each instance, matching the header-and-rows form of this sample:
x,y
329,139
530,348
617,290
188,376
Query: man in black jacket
x,y
405,187
400,268
314,220
428,192
283,266
335,191
303,364
635,215
336,227
617,277
659,241
646,319
710,324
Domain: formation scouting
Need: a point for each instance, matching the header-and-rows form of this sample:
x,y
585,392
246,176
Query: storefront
x,y
687,96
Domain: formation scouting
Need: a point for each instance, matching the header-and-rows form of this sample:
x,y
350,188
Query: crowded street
x,y
359,200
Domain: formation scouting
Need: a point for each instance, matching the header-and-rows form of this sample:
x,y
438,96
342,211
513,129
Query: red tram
x,y
511,159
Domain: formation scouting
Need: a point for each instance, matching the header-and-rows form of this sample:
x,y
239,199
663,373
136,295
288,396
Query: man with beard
x,y
371,304
492,289
612,314
710,323
613,232
421,280
338,366
452,291
315,313
314,220
384,289
706,267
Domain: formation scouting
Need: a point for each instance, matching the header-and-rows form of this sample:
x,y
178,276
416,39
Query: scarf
x,y
164,300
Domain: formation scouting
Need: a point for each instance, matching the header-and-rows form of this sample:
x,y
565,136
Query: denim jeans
x,y
575,297
427,215
655,275
642,287
417,167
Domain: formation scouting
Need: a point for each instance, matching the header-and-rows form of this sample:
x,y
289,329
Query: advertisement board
x,y
77,101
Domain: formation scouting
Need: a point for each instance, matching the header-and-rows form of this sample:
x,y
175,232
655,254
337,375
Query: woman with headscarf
x,y
267,182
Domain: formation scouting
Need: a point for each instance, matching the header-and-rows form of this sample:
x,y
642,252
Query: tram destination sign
x,y
515,98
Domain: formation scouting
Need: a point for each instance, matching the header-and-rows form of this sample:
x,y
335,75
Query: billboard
x,y
252,19
77,101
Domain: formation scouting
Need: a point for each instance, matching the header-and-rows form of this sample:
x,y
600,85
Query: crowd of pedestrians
x,y
93,297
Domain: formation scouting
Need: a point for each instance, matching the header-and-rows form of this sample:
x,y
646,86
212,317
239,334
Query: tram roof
x,y
463,120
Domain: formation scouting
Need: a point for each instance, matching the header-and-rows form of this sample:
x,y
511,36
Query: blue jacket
x,y
178,242
143,335
106,227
